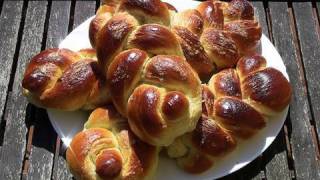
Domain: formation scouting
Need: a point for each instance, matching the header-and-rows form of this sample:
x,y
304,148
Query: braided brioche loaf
x,y
215,35
159,95
63,79
236,104
107,149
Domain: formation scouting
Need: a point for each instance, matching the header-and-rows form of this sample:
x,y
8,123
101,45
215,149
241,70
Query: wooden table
x,y
30,148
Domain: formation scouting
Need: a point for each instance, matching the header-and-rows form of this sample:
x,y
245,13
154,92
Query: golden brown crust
x,y
225,83
194,52
268,87
145,123
246,34
175,104
108,164
172,71
190,19
212,14
105,151
170,7
238,9
164,95
238,117
110,39
249,64
66,80
146,11
211,138
103,14
123,75
155,39
220,48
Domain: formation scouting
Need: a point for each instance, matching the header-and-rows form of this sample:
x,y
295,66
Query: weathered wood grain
x,y
310,49
260,15
303,148
58,22
60,168
83,10
16,131
275,157
43,145
10,19
251,171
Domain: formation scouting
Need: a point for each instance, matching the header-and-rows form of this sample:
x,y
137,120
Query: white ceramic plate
x,y
67,124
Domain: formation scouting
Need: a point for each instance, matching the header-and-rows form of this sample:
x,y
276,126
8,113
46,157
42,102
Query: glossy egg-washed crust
x,y
107,149
236,104
152,57
211,37
67,80
159,95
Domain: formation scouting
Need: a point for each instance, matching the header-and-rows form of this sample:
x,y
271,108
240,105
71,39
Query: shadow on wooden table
x,y
41,133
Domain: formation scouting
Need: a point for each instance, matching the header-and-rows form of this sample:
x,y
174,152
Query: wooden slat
x,y
275,157
310,49
82,11
16,131
42,137
260,15
9,26
303,148
42,150
251,171
58,22
60,169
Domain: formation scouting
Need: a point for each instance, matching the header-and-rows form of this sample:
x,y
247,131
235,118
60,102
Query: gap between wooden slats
x,y
302,145
276,157
1,3
9,53
11,38
316,13
17,115
306,23
38,159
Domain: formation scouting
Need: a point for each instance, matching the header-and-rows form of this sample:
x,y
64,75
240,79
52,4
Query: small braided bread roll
x,y
65,80
159,95
107,149
236,104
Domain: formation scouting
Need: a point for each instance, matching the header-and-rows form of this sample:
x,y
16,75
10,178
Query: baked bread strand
x,y
107,149
212,36
159,95
236,105
65,80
